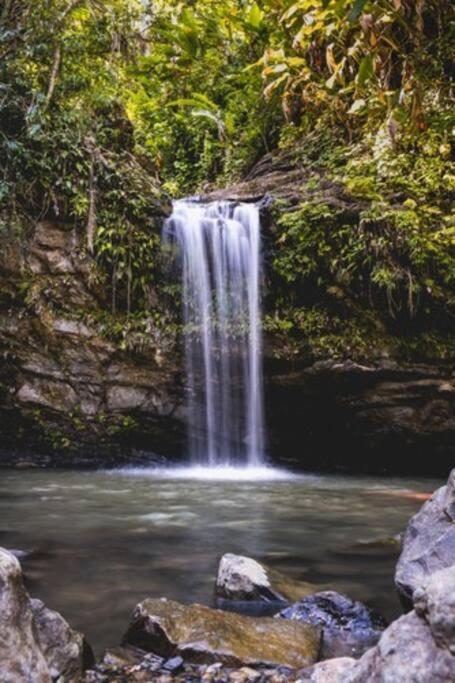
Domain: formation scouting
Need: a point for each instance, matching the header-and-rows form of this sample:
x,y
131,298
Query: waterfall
x,y
219,251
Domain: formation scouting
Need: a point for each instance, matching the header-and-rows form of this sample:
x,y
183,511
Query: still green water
x,y
99,542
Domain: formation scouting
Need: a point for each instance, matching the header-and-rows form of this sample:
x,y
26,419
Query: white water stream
x,y
220,256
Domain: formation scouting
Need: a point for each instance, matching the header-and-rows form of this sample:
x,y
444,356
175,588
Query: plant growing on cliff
x,y
104,104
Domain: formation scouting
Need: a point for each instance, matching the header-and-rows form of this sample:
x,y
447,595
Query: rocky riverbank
x,y
315,634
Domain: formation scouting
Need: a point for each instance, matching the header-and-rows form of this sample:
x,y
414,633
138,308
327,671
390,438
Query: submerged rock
x,y
36,643
242,578
349,627
203,635
429,542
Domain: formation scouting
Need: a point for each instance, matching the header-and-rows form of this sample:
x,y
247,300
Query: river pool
x,y
96,543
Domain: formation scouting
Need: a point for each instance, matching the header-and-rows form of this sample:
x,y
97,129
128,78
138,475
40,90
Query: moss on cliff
x,y
363,255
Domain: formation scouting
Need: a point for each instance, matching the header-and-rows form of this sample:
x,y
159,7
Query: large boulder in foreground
x,y
36,643
349,627
21,658
429,542
203,635
244,579
418,647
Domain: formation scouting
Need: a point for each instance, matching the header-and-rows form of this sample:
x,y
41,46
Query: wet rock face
x,y
349,627
244,579
429,542
372,417
66,391
36,644
66,388
202,635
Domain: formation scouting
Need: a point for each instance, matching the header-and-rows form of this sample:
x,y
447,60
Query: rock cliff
x,y
71,393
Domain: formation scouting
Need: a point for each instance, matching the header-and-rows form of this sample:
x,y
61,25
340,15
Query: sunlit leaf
x,y
357,106
255,16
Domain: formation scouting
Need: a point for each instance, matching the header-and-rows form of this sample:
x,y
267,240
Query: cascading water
x,y
219,248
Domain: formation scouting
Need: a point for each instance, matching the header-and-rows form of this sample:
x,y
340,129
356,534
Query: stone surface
x,y
429,542
378,416
331,671
36,643
66,391
349,627
21,658
66,651
202,635
406,652
435,602
65,388
243,578
420,646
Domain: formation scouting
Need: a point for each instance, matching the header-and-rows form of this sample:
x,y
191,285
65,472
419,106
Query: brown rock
x,y
203,635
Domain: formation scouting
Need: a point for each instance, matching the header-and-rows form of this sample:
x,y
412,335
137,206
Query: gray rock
x,y
435,602
68,326
419,647
243,578
331,671
125,397
66,652
406,653
36,644
202,635
349,627
429,542
21,658
52,394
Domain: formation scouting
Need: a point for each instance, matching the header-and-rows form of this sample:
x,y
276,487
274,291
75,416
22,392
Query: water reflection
x,y
100,542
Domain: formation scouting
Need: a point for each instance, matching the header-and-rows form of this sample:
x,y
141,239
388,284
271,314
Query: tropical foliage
x,y
108,106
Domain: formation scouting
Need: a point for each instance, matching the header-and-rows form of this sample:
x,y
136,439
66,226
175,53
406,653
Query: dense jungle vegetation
x,y
108,107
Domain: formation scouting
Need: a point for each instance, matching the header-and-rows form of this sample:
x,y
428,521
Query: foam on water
x,y
210,473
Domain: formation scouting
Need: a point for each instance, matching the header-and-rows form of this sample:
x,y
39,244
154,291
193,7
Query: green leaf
x,y
255,16
229,123
357,10
365,70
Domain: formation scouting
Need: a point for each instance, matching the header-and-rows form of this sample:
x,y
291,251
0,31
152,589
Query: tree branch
x,y
54,74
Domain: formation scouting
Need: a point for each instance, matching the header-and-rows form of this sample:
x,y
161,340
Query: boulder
x,y
21,658
406,652
435,602
36,643
331,671
203,635
243,579
418,647
429,542
66,651
349,627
